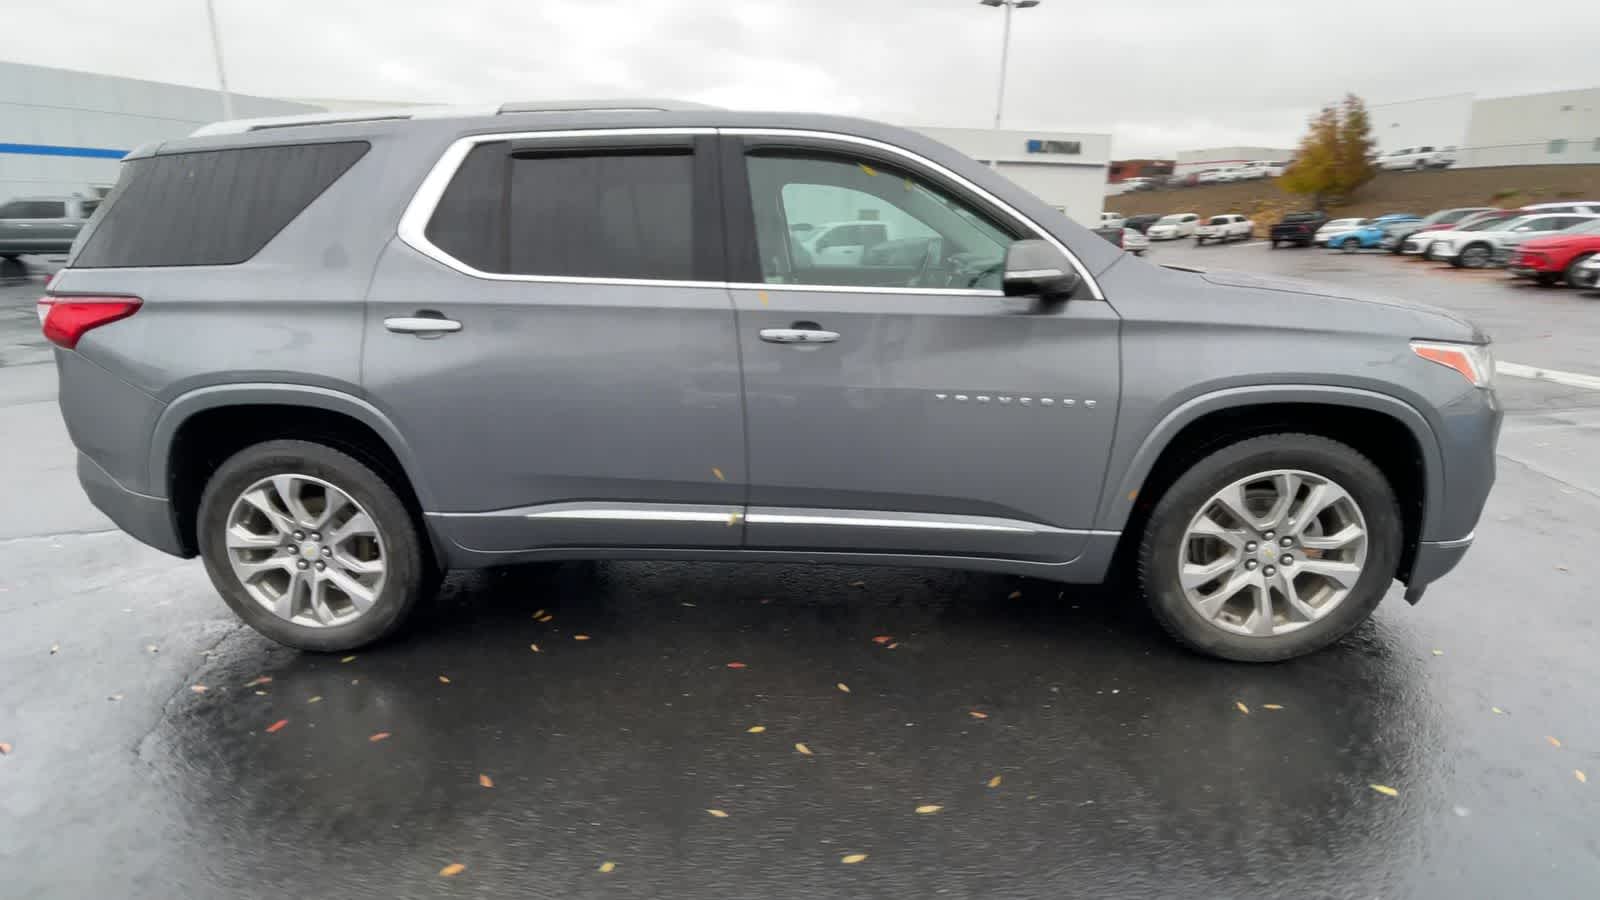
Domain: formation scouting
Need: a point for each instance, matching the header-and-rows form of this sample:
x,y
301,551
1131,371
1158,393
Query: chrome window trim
x,y
414,221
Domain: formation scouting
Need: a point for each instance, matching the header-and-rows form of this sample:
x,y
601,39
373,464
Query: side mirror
x,y
1034,268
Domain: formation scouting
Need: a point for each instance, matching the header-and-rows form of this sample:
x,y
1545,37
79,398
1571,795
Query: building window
x,y
1596,147
1559,145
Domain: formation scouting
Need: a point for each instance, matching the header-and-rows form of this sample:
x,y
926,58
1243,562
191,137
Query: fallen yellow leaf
x,y
1497,710
851,859
1242,708
539,614
1437,652
348,659
265,679
452,870
534,647
380,736
1271,706
198,688
1385,790
277,726
1553,741
755,729
485,781
929,809
977,715
547,617
882,639
995,781
803,749
316,699
843,687
580,637
1578,774
608,866
717,472
859,584
1015,595
444,679
718,813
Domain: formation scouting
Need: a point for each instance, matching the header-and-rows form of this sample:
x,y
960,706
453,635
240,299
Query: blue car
x,y
1369,235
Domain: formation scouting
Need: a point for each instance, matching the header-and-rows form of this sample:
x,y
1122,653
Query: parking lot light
x,y
1005,47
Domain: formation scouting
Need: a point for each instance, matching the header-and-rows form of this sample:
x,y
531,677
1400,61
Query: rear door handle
x,y
798,336
433,325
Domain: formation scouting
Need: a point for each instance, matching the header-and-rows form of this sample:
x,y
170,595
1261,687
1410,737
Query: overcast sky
x,y
1158,75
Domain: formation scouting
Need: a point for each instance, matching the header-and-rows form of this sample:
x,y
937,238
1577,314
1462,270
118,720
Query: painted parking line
x,y
1570,379
1256,244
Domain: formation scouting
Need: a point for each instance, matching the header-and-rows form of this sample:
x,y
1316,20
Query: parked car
x,y
1556,258
1170,228
1564,206
1262,169
1395,233
1210,176
1587,274
1142,223
1298,228
544,377
1417,158
1421,243
1223,229
843,243
1134,241
1139,183
1336,226
1366,237
1477,249
39,226
1112,220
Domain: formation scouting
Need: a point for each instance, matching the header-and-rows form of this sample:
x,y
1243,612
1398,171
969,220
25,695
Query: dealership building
x,y
62,132
1554,128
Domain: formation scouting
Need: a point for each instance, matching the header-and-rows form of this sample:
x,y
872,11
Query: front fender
x,y
200,399
1121,491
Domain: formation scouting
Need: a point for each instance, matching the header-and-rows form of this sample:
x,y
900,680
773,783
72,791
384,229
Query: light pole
x,y
1005,48
216,49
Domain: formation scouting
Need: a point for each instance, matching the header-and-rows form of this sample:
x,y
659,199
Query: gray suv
x,y
337,357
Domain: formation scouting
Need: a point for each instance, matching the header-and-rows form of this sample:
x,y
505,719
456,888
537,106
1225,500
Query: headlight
x,y
1475,362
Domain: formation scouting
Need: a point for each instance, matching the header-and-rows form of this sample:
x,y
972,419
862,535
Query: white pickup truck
x,y
1418,158
1223,229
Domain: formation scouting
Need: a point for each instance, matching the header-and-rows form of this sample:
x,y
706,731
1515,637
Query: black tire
x,y
1478,260
1199,241
1350,245
1274,244
1165,531
1306,242
409,575
1569,275
12,270
1547,279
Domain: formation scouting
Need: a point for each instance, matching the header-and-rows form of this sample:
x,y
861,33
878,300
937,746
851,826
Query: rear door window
x,y
619,212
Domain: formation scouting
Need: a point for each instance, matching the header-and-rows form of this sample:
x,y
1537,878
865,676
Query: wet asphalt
x,y
1069,748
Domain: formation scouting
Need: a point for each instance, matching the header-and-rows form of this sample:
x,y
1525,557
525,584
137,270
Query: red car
x,y
1553,259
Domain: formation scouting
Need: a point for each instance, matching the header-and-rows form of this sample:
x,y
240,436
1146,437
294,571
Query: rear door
x,y
906,406
553,335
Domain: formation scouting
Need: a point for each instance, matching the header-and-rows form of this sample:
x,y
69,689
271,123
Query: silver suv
x,y
334,358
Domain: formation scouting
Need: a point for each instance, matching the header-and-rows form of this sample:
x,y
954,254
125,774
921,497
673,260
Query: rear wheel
x,y
1270,548
12,270
1274,244
1473,256
1570,275
311,547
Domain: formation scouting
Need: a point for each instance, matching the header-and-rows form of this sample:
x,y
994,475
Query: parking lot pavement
x,y
1069,748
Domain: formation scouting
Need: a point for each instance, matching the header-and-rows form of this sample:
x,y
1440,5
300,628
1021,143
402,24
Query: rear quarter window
x,y
213,207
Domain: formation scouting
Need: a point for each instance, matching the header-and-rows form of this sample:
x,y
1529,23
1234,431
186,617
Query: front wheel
x,y
1270,548
1350,246
1570,276
311,547
1274,245
1473,257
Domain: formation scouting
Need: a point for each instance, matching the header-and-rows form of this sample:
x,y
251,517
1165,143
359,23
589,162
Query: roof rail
x,y
635,104
240,126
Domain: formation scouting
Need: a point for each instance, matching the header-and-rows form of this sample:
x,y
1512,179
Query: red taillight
x,y
66,319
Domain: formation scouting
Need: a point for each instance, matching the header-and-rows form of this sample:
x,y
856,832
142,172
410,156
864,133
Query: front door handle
x,y
423,325
798,336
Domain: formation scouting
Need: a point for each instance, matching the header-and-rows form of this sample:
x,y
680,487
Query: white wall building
x,y
62,132
1427,122
1064,169
1188,162
1560,127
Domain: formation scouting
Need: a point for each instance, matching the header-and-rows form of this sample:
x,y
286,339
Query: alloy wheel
x,y
305,550
1273,552
1475,257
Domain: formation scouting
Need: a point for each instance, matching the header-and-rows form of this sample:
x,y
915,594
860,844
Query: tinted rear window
x,y
212,208
33,209
612,213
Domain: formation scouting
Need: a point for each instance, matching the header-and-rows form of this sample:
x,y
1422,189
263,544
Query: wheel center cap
x,y
310,549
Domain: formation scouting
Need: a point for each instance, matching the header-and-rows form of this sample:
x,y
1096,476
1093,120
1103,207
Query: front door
x,y
556,343
902,404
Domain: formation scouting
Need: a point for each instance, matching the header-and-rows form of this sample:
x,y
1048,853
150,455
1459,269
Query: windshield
x,y
1508,224
1218,220
1345,223
1486,223
1171,220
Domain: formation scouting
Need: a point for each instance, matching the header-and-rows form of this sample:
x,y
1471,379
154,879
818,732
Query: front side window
x,y
871,226
603,213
